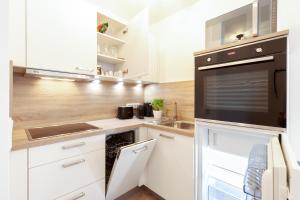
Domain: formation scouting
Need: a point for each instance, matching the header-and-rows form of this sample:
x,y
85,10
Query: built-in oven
x,y
244,84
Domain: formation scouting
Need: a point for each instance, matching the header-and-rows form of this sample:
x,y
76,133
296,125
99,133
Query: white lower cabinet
x,y
170,168
75,169
95,191
18,175
53,180
62,150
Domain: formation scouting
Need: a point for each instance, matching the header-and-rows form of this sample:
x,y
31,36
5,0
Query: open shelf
x,y
110,59
110,40
115,24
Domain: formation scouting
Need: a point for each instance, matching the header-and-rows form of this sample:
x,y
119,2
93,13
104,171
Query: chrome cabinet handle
x,y
73,146
73,163
240,62
166,136
79,196
84,69
145,148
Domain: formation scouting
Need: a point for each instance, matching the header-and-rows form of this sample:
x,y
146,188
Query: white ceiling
x,y
125,9
158,9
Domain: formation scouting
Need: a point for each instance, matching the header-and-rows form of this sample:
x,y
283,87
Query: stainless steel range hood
x,y
58,75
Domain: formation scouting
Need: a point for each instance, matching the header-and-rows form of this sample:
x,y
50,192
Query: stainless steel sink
x,y
179,124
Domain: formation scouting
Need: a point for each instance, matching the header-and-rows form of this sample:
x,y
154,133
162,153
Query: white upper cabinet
x,y
61,35
136,51
17,36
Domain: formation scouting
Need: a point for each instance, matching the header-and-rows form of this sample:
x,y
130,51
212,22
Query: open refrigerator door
x,y
234,163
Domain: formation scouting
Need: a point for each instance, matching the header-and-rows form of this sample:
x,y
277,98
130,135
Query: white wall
x,y
288,12
5,127
183,33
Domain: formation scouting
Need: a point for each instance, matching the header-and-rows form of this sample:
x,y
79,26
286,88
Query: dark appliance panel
x,y
125,112
249,88
148,110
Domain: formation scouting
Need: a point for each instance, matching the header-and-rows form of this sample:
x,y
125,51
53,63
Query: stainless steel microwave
x,y
246,84
255,19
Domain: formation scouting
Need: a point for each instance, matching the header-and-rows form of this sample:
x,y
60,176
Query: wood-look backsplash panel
x,y
38,102
180,92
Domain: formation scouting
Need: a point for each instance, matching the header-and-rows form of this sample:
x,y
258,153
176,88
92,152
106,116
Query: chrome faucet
x,y
175,112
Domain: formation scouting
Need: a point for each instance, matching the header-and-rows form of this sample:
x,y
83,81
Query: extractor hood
x,y
58,75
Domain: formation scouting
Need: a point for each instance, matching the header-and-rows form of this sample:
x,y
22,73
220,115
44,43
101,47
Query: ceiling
x,y
158,9
125,9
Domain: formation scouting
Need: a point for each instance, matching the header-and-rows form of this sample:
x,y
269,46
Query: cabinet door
x,y
136,49
17,36
61,35
170,168
128,168
18,175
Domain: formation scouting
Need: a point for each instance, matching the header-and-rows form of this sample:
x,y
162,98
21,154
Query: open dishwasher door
x,y
128,168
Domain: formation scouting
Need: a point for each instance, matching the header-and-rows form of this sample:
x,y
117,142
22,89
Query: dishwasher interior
x,y
113,144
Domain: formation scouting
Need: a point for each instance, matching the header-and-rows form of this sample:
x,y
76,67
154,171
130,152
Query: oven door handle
x,y
240,62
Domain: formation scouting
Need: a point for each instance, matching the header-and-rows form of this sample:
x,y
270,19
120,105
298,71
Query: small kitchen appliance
x,y
148,110
125,112
140,112
255,19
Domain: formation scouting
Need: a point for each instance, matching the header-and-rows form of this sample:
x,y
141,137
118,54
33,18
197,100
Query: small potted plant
x,y
157,105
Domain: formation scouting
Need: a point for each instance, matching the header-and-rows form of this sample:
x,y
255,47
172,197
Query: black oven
x,y
246,84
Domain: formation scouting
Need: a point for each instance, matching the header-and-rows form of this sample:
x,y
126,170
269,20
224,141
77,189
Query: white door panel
x,y
61,35
128,168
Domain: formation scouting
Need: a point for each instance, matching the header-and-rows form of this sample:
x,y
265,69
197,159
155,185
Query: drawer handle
x,y
166,136
73,146
145,148
73,163
79,196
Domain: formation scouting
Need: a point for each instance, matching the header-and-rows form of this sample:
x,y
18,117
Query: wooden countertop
x,y
108,126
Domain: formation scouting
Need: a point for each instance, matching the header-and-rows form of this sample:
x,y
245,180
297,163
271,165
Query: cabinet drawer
x,y
90,192
58,151
56,179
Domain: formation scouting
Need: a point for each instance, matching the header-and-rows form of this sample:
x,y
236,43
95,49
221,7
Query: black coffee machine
x,y
140,112
148,111
143,110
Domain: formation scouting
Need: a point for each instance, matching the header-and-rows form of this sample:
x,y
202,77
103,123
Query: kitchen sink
x,y
179,124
